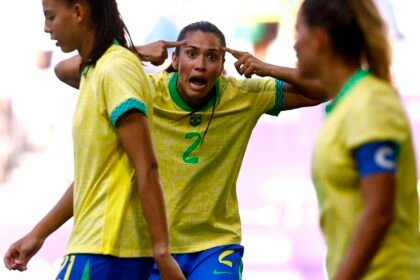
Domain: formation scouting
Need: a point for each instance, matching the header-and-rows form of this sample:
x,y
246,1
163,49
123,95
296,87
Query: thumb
x,y
22,259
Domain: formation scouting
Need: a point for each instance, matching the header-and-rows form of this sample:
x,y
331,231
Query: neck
x,y
87,45
335,75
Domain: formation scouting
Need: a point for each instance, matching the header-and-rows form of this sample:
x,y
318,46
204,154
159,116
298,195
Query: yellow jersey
x,y
107,213
199,169
367,110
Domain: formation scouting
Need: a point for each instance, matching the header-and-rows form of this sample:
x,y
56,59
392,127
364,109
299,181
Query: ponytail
x,y
377,50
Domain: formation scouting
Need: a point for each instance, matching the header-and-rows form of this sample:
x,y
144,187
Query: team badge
x,y
195,119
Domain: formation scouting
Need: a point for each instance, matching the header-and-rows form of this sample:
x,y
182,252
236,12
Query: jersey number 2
x,y
197,139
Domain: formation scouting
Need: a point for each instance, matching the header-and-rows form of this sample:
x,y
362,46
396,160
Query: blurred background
x,y
278,204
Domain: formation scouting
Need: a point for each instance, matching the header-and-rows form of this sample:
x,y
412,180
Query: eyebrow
x,y
209,50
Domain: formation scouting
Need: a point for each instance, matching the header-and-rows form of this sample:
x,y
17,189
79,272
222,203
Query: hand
x,y
157,52
248,64
169,268
20,252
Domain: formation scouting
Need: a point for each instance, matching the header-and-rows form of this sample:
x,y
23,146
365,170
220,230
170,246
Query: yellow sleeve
x,y
125,86
376,116
267,94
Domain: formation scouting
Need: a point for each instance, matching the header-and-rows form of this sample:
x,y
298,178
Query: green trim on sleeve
x,y
126,106
279,102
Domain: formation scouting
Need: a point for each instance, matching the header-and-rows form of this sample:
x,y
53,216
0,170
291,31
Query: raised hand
x,y
20,252
247,64
157,52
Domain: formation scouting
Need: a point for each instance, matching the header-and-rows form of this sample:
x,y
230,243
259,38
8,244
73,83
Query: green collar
x,y
87,67
351,82
176,97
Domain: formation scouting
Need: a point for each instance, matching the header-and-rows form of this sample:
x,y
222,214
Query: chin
x,y
66,49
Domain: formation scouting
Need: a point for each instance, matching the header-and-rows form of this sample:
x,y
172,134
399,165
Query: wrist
x,y
37,235
160,252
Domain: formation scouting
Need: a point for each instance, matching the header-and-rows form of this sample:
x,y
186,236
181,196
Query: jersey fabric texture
x,y
366,110
199,170
107,211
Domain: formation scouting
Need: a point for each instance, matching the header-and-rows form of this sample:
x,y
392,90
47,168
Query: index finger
x,y
174,44
235,53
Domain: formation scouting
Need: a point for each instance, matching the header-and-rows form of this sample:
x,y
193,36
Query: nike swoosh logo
x,y
216,272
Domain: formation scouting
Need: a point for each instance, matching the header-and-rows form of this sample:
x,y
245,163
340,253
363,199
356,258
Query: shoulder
x,y
159,78
243,86
375,93
119,61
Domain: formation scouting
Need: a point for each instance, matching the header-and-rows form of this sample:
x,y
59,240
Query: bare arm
x,y
298,92
133,132
20,252
157,52
378,192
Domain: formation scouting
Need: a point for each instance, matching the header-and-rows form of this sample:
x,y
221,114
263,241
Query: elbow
x,y
148,175
386,220
151,169
382,219
152,165
58,70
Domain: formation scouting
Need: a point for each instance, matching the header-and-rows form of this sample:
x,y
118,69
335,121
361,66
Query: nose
x,y
47,28
201,63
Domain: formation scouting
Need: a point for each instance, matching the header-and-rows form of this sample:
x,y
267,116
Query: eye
x,y
191,53
213,56
49,16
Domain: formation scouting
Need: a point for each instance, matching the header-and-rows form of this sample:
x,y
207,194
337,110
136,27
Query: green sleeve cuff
x,y
126,106
279,102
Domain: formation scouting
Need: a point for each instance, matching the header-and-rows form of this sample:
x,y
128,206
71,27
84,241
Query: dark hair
x,y
203,26
108,25
356,29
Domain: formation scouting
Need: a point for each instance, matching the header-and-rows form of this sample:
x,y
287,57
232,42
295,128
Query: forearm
x,y
309,88
61,212
154,212
364,245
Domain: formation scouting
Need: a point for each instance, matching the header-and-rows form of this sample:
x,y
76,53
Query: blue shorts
x,y
102,267
220,263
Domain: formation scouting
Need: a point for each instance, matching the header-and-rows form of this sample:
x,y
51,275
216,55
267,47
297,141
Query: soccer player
x,y
363,163
201,127
115,166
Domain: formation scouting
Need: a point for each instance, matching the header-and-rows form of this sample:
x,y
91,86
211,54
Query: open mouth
x,y
197,82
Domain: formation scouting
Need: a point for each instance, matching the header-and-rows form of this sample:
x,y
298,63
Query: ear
x,y
175,61
80,12
321,38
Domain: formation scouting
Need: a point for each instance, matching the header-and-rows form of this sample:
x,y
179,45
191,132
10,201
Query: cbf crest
x,y
195,119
